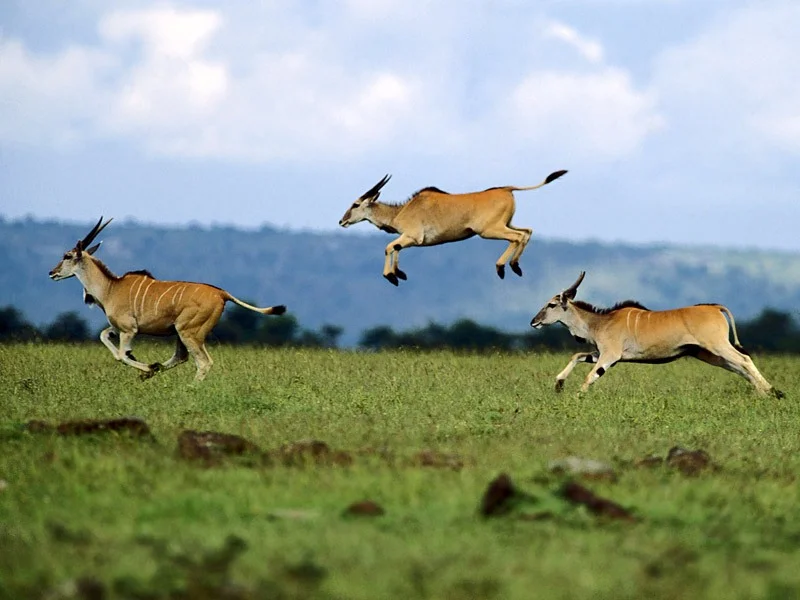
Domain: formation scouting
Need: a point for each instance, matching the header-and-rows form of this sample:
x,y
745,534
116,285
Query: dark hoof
x,y
392,278
559,385
516,269
147,375
501,271
156,367
401,275
777,393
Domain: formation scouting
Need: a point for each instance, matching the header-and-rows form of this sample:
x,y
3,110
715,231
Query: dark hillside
x,y
336,277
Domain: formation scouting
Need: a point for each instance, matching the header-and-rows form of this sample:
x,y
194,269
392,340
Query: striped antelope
x,y
139,303
432,217
628,332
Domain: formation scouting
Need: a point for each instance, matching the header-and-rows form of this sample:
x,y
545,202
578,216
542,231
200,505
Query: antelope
x,y
629,332
431,217
139,303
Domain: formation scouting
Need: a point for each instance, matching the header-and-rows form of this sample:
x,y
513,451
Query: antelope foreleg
x,y
125,353
391,268
105,337
604,363
589,357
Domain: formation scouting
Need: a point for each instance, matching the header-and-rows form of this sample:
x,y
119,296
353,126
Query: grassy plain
x,y
112,515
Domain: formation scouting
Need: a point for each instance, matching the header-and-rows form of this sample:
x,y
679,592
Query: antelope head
x,y
362,207
556,307
72,261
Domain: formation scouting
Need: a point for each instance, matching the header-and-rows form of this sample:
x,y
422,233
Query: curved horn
x,y
99,226
572,290
375,189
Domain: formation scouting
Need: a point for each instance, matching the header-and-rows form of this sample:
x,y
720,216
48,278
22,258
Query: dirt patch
x,y
133,426
648,462
498,499
438,460
364,508
689,462
311,452
601,507
210,447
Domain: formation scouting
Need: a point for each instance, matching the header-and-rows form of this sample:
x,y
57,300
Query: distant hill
x,y
335,278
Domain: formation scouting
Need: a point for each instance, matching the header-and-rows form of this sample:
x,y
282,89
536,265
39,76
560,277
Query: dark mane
x,y
413,196
144,272
106,271
605,311
430,188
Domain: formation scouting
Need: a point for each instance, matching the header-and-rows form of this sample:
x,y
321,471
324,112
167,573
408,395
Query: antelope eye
x,y
552,304
66,257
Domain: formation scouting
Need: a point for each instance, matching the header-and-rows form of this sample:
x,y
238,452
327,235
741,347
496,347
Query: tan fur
x,y
633,334
137,303
433,217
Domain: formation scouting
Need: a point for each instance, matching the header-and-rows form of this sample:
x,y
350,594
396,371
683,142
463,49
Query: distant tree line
x,y
771,331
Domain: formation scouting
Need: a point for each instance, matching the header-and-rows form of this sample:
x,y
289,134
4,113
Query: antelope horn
x,y
99,226
572,290
375,189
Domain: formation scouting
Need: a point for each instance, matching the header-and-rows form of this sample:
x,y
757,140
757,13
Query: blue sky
x,y
679,120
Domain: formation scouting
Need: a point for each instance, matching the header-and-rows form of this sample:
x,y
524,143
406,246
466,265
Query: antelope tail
x,y
736,343
269,310
552,177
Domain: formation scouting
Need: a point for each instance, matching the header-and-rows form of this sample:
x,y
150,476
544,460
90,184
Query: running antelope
x,y
629,332
139,303
431,217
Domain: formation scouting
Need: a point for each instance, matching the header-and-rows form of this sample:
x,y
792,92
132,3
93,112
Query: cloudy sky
x,y
679,120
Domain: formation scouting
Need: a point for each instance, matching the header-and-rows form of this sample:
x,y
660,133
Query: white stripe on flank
x,y
162,295
145,294
136,298
175,295
183,289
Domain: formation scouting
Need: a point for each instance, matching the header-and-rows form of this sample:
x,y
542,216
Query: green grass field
x,y
110,515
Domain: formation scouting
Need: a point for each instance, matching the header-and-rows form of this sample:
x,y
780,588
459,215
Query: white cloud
x,y
188,82
164,32
49,100
596,116
590,49
737,84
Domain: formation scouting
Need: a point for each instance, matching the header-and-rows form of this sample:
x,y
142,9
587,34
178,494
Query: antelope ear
x,y
93,249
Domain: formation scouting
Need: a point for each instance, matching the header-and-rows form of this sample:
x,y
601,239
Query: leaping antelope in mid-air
x,y
431,217
139,303
629,332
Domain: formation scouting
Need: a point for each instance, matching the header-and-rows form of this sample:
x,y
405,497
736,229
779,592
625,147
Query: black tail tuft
x,y
278,310
554,175
740,349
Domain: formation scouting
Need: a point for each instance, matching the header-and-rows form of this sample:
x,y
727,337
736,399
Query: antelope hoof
x,y
516,269
777,393
147,374
401,275
392,278
559,385
156,367
501,271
